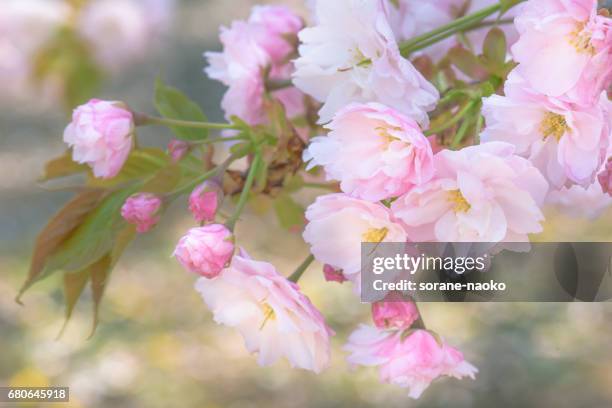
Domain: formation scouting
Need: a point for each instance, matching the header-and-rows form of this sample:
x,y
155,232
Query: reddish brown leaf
x,y
58,230
61,167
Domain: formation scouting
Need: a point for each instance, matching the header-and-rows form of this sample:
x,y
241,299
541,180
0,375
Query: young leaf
x,y
290,214
93,238
173,104
467,62
141,163
61,167
58,230
101,270
495,50
74,284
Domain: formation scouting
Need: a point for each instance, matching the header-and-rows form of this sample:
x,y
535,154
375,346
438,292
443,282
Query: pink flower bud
x,y
100,135
142,210
177,149
206,250
394,315
205,200
605,178
332,274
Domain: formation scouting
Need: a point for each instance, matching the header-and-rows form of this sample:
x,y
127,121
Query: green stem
x,y
455,26
209,174
231,223
461,132
154,120
272,85
460,115
466,23
219,139
295,276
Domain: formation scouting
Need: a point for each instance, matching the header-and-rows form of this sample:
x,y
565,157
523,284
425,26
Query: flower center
x,y
554,125
358,60
375,235
581,40
461,204
383,131
268,314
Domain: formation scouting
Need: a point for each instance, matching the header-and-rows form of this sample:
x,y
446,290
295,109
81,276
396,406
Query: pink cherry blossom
x,y
274,317
205,200
142,210
100,135
337,224
374,151
205,250
565,49
177,149
332,274
567,142
411,362
581,202
351,55
605,178
249,49
394,314
482,193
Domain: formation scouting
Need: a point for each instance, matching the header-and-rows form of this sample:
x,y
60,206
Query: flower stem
x,y
272,85
295,276
461,24
209,174
144,120
231,223
219,139
460,115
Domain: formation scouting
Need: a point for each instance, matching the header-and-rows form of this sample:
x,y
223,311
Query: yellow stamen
x,y
461,204
268,314
554,125
383,131
375,235
581,40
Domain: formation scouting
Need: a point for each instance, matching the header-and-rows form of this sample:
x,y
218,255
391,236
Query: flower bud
x,y
206,250
332,274
205,200
605,178
142,210
177,149
100,135
394,315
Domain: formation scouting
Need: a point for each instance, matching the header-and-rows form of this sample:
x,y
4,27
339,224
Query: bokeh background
x,y
157,345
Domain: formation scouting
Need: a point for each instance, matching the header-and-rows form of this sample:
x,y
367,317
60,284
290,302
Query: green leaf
x,y
74,284
100,272
467,63
61,167
58,230
173,104
97,274
495,51
141,164
92,239
290,214
293,183
242,149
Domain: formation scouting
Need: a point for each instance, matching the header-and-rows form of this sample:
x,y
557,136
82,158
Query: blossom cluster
x,y
546,139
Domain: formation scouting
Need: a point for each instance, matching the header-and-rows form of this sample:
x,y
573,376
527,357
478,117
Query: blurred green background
x,y
157,345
